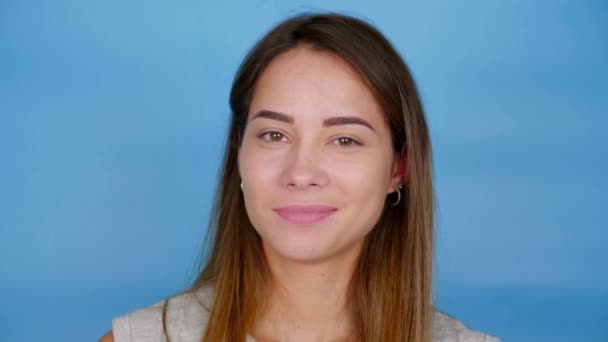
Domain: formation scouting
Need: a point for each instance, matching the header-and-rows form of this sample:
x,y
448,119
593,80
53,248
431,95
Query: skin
x,y
351,167
306,162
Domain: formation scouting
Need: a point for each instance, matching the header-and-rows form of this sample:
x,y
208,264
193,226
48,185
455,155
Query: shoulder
x,y
187,313
448,329
185,317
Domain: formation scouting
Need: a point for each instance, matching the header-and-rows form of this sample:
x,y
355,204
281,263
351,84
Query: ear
x,y
401,171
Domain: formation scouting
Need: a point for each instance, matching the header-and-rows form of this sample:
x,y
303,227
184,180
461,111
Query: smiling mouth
x,y
305,214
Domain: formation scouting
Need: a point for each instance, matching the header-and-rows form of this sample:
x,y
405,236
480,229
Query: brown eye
x,y
272,136
347,142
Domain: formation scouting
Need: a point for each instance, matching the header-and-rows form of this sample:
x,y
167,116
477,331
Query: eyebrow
x,y
333,121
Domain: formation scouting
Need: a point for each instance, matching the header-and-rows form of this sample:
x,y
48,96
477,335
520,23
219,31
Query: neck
x,y
307,301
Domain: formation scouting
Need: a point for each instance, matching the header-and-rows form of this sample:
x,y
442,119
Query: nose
x,y
305,167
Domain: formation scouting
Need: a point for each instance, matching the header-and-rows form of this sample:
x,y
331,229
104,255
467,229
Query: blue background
x,y
113,116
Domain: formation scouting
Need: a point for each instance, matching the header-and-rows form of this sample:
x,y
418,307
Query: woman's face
x,y
316,158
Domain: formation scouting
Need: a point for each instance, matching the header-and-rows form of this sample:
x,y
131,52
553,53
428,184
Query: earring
x,y
398,196
241,186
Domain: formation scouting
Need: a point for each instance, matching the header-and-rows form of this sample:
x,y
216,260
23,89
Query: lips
x,y
305,214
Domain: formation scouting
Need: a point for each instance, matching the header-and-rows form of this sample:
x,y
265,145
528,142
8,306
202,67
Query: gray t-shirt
x,y
188,313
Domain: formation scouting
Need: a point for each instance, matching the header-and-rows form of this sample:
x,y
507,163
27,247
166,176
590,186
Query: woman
x,y
323,224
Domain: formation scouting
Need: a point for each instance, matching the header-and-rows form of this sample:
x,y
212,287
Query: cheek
x,y
259,176
254,176
256,169
361,177
356,176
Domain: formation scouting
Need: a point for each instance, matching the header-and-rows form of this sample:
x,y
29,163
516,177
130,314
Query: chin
x,y
307,245
308,252
298,252
305,259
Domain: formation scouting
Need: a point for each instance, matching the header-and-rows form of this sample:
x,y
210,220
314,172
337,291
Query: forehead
x,y
311,84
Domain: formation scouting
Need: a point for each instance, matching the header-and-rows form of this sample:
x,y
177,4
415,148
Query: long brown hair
x,y
391,288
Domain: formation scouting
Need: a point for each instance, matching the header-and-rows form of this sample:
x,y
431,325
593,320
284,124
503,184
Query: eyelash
x,y
353,141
